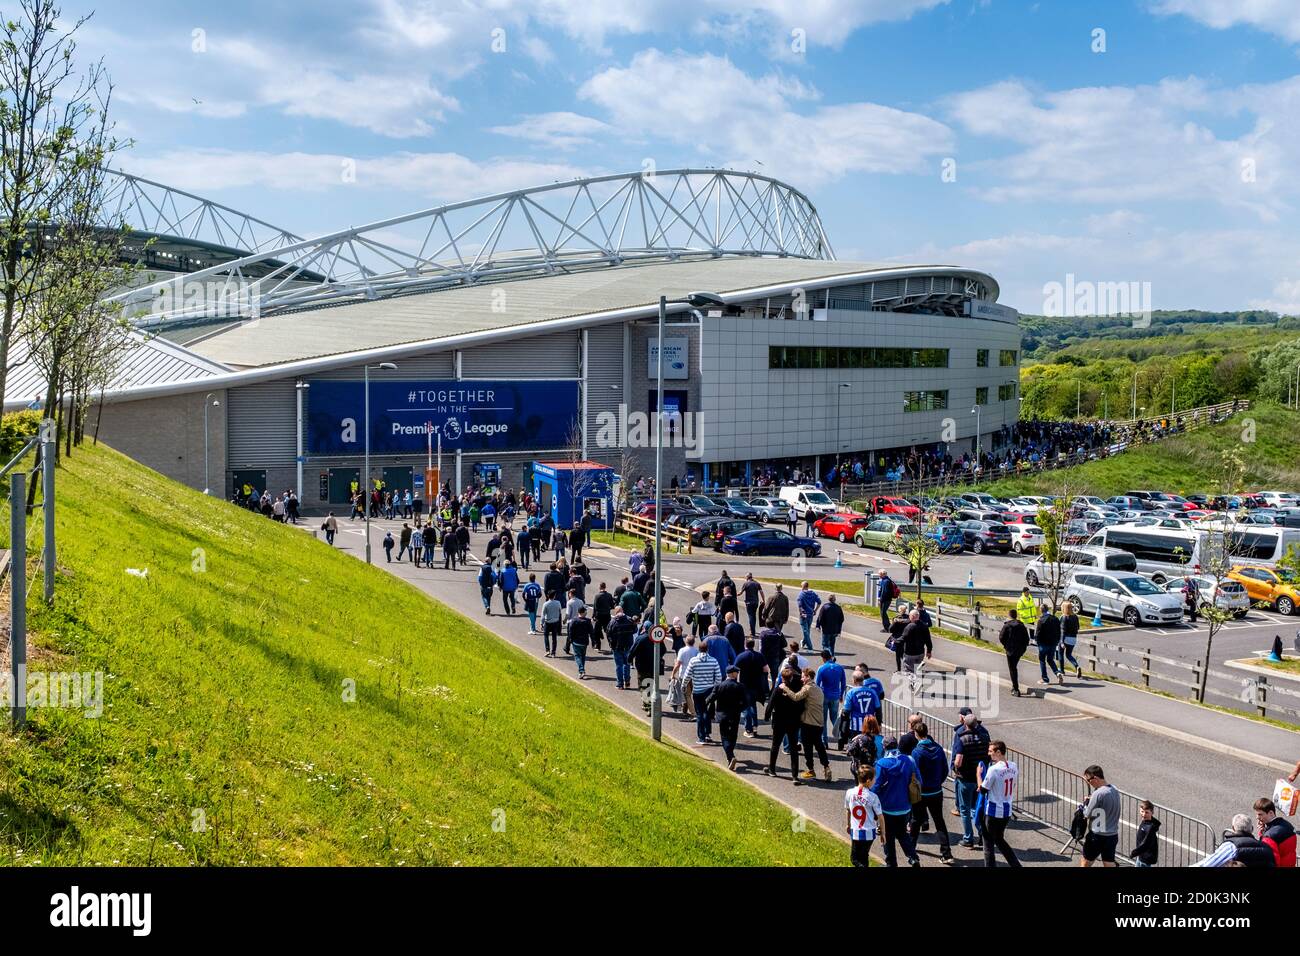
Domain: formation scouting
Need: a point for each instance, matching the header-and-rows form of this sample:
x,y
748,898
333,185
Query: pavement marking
x,y
1130,824
1030,720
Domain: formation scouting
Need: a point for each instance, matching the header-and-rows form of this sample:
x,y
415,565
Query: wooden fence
x,y
637,526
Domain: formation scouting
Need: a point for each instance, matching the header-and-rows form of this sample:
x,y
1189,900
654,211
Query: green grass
x,y
955,596
1289,665
225,705
1185,464
618,539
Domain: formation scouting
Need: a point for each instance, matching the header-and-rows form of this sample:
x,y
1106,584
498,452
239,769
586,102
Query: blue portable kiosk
x,y
565,489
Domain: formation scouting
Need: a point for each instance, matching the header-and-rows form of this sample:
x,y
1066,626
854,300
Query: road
x,y
1198,782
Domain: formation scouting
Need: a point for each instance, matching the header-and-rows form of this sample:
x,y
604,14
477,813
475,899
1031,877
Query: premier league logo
x,y
451,428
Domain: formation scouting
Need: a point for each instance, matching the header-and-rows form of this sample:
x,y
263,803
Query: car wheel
x,y
1132,617
1017,548
1031,579
1160,579
1074,601
798,553
752,552
843,537
977,547
1239,614
1285,605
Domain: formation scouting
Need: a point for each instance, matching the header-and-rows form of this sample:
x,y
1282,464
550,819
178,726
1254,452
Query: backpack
x,y
893,590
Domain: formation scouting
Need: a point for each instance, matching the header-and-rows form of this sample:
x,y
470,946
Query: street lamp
x,y
976,412
300,387
696,300
207,475
365,484
839,444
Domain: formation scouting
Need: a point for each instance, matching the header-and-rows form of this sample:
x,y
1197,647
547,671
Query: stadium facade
x,y
523,327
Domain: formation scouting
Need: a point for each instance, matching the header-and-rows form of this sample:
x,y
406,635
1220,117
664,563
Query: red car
x,y
895,506
841,527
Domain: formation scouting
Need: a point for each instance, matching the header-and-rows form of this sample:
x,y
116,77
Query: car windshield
x,y
999,529
907,529
1136,585
817,497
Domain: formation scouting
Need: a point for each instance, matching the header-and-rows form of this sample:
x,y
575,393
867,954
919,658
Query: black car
x,y
701,529
701,503
725,529
984,536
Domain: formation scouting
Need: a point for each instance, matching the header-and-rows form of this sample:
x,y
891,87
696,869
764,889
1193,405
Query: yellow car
x,y
1279,588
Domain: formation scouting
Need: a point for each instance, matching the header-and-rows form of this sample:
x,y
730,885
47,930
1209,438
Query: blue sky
x,y
1169,157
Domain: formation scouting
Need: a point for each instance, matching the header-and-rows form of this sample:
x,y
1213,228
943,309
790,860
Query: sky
x,y
1150,141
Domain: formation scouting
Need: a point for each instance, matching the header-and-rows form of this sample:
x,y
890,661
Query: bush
x,y
15,429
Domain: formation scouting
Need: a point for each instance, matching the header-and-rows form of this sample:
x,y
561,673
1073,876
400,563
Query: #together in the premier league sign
x,y
468,415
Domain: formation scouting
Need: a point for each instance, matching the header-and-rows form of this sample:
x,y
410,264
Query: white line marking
x,y
1131,826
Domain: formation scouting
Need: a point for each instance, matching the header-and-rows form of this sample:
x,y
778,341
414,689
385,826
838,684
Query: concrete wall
x,y
167,435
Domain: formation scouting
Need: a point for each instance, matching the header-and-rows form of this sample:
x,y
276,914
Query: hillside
x,y
226,737
1186,464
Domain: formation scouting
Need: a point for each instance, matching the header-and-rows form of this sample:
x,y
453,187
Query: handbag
x,y
914,790
891,643
690,618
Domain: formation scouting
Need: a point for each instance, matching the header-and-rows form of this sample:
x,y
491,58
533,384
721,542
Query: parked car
x,y
683,519
976,499
841,527
1280,589
949,536
1040,571
1230,596
772,510
1023,504
701,503
701,529
1129,597
1025,536
1123,503
646,509
771,541
738,507
984,536
730,527
979,514
881,531
803,498
893,506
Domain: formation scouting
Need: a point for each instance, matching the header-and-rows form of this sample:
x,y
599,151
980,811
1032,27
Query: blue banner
x,y
469,415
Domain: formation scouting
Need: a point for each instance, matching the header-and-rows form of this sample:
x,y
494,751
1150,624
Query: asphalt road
x,y
1200,783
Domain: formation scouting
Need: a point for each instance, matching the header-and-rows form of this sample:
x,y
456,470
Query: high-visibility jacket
x,y
1027,610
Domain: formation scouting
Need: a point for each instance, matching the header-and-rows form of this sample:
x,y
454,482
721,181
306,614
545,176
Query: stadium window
x,y
982,396
925,401
805,358
1006,392
982,358
1007,357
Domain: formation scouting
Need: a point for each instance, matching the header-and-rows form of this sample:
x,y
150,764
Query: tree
x,y
44,114
919,548
582,481
1059,561
1220,552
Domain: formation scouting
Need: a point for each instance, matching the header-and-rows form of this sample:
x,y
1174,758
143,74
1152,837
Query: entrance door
x,y
342,481
547,491
397,479
254,478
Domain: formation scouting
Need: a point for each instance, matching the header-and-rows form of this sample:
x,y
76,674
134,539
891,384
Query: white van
x,y
1164,553
1039,570
804,498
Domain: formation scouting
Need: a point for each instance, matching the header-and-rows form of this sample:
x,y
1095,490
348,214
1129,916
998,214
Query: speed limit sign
x,y
657,634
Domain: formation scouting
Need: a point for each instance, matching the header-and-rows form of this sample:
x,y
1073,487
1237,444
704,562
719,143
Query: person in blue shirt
x,y
932,766
754,676
522,547
830,678
884,597
894,773
508,579
719,648
532,598
807,601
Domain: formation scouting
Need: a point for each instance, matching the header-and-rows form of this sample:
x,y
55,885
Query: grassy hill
x,y
226,737
1186,464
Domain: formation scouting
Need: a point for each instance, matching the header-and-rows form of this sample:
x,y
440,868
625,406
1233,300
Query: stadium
x,y
523,326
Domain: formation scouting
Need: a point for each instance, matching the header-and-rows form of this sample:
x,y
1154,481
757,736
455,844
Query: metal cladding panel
x,y
434,365
538,356
261,425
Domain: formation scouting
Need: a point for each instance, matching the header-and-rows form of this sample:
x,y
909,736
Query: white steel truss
x,y
561,227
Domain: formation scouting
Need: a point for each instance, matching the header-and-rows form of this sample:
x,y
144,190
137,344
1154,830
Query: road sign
x,y
657,634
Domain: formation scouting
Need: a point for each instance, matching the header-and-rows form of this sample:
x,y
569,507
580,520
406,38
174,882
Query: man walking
x,y
754,670
752,593
812,728
970,748
997,784
886,591
577,640
807,601
1102,815
932,767
729,699
622,633
703,674
830,678
894,775
830,620
1048,635
602,611
552,621
1027,610
777,611
1015,641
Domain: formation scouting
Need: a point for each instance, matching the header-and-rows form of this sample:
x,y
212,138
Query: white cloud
x,y
561,130
1285,298
445,177
1133,144
1281,17
743,121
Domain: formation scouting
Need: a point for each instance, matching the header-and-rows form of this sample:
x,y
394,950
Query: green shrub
x,y
15,429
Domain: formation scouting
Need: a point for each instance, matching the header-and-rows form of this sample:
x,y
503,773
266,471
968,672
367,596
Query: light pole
x,y
976,412
207,475
300,387
695,300
365,482
1078,400
1135,396
839,444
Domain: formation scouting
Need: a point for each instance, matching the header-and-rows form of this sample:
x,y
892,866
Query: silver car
x,y
1129,597
1230,595
771,510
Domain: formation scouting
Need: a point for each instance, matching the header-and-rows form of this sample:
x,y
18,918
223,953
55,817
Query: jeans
x,y
830,717
551,636
896,833
523,557
995,829
1013,668
329,538
1047,658
580,657
532,620
622,670
510,602
812,740
884,613
828,642
728,727
599,623
750,717
401,551
487,599
805,625
1067,652
703,725
931,803
388,553
966,792
752,611
779,734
